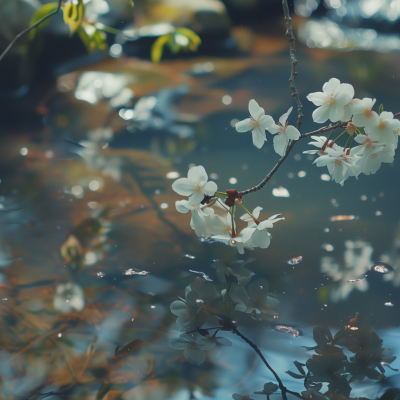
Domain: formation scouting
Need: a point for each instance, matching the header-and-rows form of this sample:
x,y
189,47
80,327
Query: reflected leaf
x,y
129,348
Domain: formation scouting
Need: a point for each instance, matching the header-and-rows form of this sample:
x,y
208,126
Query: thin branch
x,y
19,36
271,173
283,388
292,41
288,149
325,129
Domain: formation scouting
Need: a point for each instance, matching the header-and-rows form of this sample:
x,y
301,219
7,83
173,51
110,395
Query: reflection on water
x,y
95,263
356,261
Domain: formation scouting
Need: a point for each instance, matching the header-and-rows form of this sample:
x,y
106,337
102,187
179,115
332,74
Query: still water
x,y
93,251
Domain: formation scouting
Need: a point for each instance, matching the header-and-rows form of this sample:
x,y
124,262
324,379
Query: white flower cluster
x,y
259,123
376,134
212,218
201,296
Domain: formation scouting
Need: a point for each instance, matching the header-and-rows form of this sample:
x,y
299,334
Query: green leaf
x,y
40,13
193,37
73,15
380,109
158,47
92,38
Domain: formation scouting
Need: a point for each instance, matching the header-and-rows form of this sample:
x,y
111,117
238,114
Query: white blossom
x,y
341,163
385,128
284,132
199,220
320,142
257,124
257,231
363,116
357,260
196,185
68,296
331,101
372,154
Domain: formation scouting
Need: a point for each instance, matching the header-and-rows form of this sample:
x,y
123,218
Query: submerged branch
x,y
292,41
283,388
24,32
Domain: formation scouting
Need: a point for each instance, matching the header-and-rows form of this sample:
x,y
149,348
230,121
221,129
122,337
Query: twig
x,y
282,159
11,45
270,174
325,129
283,388
292,41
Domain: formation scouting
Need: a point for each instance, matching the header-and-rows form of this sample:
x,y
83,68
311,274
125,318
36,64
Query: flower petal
x,y
197,174
261,239
321,114
280,143
258,137
336,113
182,206
266,121
331,85
210,188
243,126
318,98
255,110
183,186
284,117
264,225
292,132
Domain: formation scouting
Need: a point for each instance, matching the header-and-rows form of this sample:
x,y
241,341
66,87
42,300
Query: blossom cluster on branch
x,y
213,213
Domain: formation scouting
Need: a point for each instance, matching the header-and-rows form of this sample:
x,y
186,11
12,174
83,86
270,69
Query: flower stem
x,y
248,212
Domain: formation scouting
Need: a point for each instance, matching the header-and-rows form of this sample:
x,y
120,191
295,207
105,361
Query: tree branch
x,y
19,36
288,149
292,41
283,388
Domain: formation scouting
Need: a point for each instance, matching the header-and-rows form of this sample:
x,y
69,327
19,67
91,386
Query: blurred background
x,y
95,127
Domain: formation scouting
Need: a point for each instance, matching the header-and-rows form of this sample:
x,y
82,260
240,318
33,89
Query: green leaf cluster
x,y
179,39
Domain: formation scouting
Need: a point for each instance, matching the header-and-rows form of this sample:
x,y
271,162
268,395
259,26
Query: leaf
x,y
193,37
322,335
380,109
92,38
129,348
270,388
294,375
374,374
73,15
158,46
40,13
299,366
